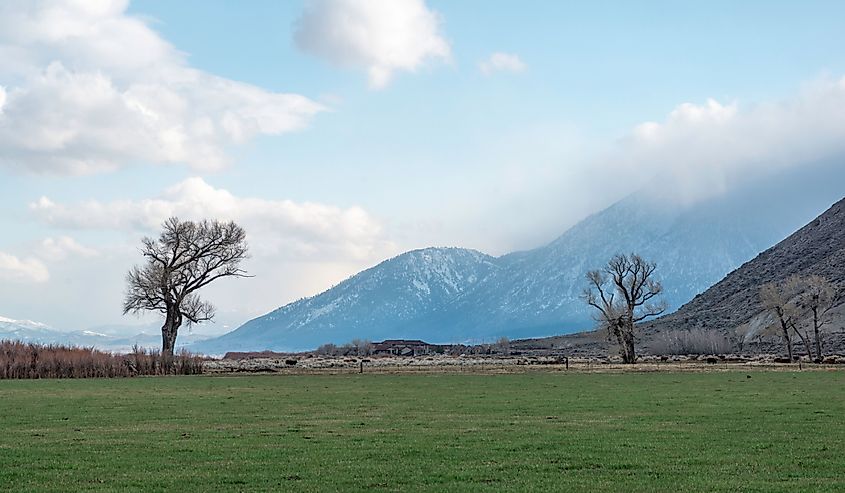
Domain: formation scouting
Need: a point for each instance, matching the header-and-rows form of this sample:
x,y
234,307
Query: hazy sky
x,y
343,132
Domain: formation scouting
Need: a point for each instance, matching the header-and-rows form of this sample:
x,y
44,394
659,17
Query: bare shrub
x,y
357,347
327,350
362,347
26,360
503,346
696,341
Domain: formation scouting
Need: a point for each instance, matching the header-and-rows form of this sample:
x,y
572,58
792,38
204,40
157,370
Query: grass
x,y
720,431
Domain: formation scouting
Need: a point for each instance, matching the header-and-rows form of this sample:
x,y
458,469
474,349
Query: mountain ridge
x,y
534,293
36,332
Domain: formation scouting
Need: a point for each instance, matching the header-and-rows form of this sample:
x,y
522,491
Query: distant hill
x,y
455,295
816,249
29,331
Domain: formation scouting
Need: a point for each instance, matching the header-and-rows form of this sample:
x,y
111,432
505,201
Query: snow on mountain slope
x,y
455,295
25,330
536,293
7,325
375,303
36,332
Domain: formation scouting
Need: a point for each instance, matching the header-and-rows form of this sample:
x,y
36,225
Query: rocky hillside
x,y
816,249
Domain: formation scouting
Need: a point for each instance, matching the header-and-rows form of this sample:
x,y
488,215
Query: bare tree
x,y
801,303
741,337
363,347
779,299
503,346
186,257
819,297
624,293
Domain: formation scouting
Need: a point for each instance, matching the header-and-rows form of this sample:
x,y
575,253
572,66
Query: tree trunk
x,y
806,341
620,341
786,337
788,344
630,351
818,339
169,331
625,338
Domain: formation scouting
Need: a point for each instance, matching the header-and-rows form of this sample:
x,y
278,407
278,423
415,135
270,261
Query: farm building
x,y
402,347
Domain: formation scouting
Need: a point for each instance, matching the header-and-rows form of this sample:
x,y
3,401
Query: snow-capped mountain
x,y
456,295
21,329
537,293
377,303
36,332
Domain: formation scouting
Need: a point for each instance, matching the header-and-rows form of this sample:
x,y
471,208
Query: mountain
x,y
457,295
816,249
36,332
22,329
376,303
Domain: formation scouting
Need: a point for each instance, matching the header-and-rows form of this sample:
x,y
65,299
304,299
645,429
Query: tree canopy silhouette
x,y
186,257
624,293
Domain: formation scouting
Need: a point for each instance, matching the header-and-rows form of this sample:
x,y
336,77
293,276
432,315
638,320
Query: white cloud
x,y
90,88
274,227
297,249
381,36
702,149
15,269
63,247
502,62
697,151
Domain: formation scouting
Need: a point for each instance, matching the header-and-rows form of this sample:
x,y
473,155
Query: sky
x,y
340,133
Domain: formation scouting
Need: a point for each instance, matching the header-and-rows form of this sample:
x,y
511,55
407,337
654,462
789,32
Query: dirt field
x,y
449,364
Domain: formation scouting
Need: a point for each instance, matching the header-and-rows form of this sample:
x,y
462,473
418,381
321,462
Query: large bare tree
x,y
800,304
624,293
186,257
779,298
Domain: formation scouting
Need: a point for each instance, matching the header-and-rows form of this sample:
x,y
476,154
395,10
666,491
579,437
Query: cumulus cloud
x,y
380,36
63,247
15,269
90,88
502,62
274,226
702,148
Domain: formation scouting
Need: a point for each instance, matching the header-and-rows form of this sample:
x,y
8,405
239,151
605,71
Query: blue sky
x,y
360,168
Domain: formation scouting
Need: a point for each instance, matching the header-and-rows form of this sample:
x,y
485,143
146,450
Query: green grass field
x,y
776,431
